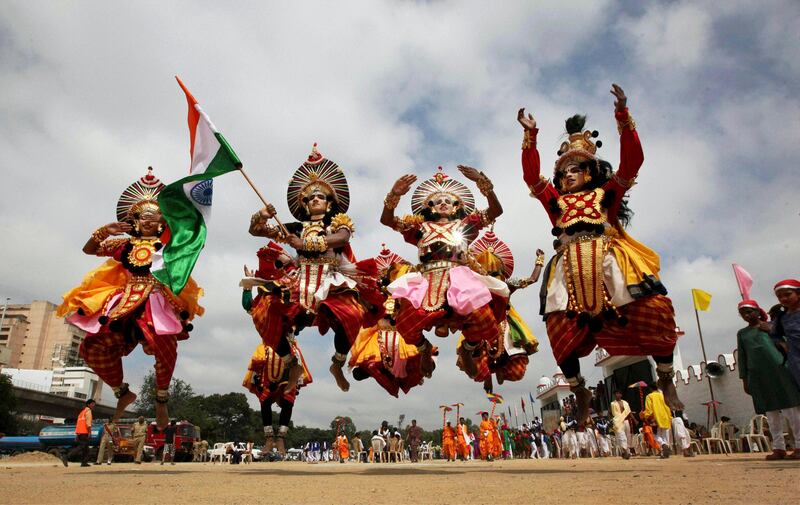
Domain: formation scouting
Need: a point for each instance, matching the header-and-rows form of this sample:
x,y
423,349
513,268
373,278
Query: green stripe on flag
x,y
186,223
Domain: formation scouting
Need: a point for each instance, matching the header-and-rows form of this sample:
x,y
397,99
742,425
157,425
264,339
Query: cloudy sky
x,y
88,101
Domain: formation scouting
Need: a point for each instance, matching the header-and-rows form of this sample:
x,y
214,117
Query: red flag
x,y
522,400
744,280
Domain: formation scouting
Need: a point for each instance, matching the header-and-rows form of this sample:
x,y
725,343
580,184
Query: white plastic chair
x,y
715,440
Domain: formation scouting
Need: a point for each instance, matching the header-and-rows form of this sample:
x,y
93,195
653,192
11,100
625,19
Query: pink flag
x,y
744,280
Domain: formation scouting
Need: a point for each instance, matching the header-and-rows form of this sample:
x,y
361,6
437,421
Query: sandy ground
x,y
730,480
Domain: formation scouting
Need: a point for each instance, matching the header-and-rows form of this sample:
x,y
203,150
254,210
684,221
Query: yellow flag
x,y
702,300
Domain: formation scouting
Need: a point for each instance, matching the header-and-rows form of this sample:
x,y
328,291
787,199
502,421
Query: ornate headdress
x,y
441,183
140,195
386,259
489,245
579,145
317,173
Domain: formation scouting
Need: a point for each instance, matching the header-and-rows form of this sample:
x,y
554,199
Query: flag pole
x,y
261,197
705,359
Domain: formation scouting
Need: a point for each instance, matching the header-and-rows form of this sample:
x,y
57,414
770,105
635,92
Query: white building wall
x,y
692,386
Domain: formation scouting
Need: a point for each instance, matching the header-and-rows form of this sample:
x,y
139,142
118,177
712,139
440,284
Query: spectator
x,y
106,450
765,378
414,438
139,435
378,444
169,443
655,409
83,431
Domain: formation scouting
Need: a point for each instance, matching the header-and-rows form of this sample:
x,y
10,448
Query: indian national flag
x,y
186,204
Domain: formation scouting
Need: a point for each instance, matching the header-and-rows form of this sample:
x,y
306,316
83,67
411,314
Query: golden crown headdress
x,y
317,173
143,192
579,145
442,183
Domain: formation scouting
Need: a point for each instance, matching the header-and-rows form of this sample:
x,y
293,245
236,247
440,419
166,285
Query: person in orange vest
x,y
83,431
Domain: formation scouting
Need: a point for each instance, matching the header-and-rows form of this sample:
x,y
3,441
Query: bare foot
x,y
670,394
162,415
338,374
583,398
487,384
122,404
294,376
470,368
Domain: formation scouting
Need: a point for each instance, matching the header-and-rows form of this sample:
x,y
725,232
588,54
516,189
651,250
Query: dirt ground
x,y
736,479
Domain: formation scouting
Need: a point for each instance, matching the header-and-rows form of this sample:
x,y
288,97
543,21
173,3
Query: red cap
x,y
752,304
787,284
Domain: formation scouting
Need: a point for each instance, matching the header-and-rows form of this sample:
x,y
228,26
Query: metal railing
x,y
29,385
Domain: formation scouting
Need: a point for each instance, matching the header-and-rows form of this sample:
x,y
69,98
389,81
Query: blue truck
x,y
56,439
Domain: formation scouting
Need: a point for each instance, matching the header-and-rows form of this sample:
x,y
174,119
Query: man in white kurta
x,y
620,410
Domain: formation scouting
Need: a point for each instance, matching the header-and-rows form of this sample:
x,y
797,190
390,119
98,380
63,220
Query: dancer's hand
x,y
117,228
622,101
527,123
248,272
469,172
403,184
295,242
267,212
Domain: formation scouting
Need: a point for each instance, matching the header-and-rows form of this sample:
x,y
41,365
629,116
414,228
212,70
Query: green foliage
x,y
343,424
180,395
8,404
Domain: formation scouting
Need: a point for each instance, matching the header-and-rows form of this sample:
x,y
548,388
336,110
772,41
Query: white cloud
x,y
675,36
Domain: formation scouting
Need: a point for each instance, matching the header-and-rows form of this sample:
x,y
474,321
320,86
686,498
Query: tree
x,y
180,396
343,424
8,404
229,417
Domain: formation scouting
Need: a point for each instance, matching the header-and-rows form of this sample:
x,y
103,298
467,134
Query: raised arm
x,y
538,185
260,228
486,188
400,188
101,234
631,154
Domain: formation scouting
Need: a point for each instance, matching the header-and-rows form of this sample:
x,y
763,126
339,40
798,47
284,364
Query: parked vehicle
x,y
185,436
55,439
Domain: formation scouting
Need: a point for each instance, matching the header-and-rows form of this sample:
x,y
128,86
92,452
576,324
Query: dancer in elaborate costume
x,y
120,304
445,293
267,375
380,351
506,355
324,293
602,287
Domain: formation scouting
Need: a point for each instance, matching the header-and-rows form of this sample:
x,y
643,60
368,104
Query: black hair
x,y
90,402
601,171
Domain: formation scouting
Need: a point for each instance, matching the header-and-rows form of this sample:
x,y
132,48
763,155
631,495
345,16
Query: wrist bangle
x,y
392,200
100,234
484,185
539,261
527,140
629,122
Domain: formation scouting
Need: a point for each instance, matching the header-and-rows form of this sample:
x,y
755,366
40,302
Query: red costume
x,y
602,287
